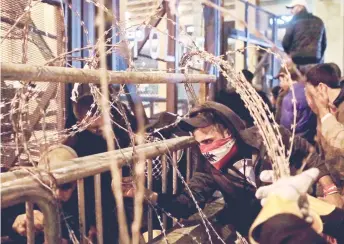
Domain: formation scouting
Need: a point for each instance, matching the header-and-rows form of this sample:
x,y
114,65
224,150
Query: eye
x,y
206,142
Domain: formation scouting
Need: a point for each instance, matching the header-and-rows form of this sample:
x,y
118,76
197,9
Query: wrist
x,y
330,190
323,112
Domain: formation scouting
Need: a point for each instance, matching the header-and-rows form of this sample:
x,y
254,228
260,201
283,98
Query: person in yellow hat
x,y
289,215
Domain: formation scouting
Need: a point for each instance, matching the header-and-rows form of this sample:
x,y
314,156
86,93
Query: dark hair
x,y
275,91
83,105
217,121
248,75
323,73
292,71
337,69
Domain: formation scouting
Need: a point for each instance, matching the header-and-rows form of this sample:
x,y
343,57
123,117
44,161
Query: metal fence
x,y
21,186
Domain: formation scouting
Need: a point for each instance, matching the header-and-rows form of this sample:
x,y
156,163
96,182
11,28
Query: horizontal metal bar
x,y
256,7
79,168
26,72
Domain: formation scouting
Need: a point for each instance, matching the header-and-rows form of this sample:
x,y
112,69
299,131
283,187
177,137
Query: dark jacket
x,y
86,143
242,206
306,120
305,39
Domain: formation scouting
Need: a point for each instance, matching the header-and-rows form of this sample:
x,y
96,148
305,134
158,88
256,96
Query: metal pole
x,y
98,205
81,207
188,164
213,23
171,96
30,232
164,184
175,176
150,210
26,72
247,37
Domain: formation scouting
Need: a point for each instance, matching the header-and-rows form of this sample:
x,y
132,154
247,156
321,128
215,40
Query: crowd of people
x,y
234,159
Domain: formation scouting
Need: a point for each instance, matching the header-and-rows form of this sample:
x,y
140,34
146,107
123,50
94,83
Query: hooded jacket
x,y
306,121
241,205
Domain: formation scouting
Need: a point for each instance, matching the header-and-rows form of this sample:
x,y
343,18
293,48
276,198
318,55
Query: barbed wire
x,y
19,104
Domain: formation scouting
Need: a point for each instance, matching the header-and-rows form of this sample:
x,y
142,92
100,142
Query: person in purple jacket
x,y
306,120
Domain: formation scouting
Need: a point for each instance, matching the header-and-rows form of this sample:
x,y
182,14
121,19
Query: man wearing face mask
x,y
235,156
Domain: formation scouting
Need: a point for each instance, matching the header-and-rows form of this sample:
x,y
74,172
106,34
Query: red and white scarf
x,y
220,151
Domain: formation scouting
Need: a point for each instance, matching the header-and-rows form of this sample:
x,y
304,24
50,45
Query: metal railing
x,y
28,186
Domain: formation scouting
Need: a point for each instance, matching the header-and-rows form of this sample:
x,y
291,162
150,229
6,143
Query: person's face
x,y
97,126
65,191
209,134
296,9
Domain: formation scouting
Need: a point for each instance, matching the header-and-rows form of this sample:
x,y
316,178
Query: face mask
x,y
220,151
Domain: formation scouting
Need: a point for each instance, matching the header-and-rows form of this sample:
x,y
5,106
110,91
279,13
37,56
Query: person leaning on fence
x,y
235,156
91,141
66,194
305,37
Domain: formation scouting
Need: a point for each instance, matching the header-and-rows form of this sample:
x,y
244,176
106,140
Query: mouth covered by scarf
x,y
219,152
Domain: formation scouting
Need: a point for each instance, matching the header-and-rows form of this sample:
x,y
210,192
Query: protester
x,y
66,195
305,38
289,216
305,120
91,141
331,129
235,157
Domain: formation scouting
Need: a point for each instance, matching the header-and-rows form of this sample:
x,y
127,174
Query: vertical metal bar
x,y
151,108
247,37
88,18
274,40
76,31
175,175
213,23
164,184
98,204
171,96
257,18
30,232
188,164
150,210
81,207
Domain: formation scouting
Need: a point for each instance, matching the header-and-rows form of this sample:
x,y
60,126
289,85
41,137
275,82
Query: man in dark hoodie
x,y
305,37
235,157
